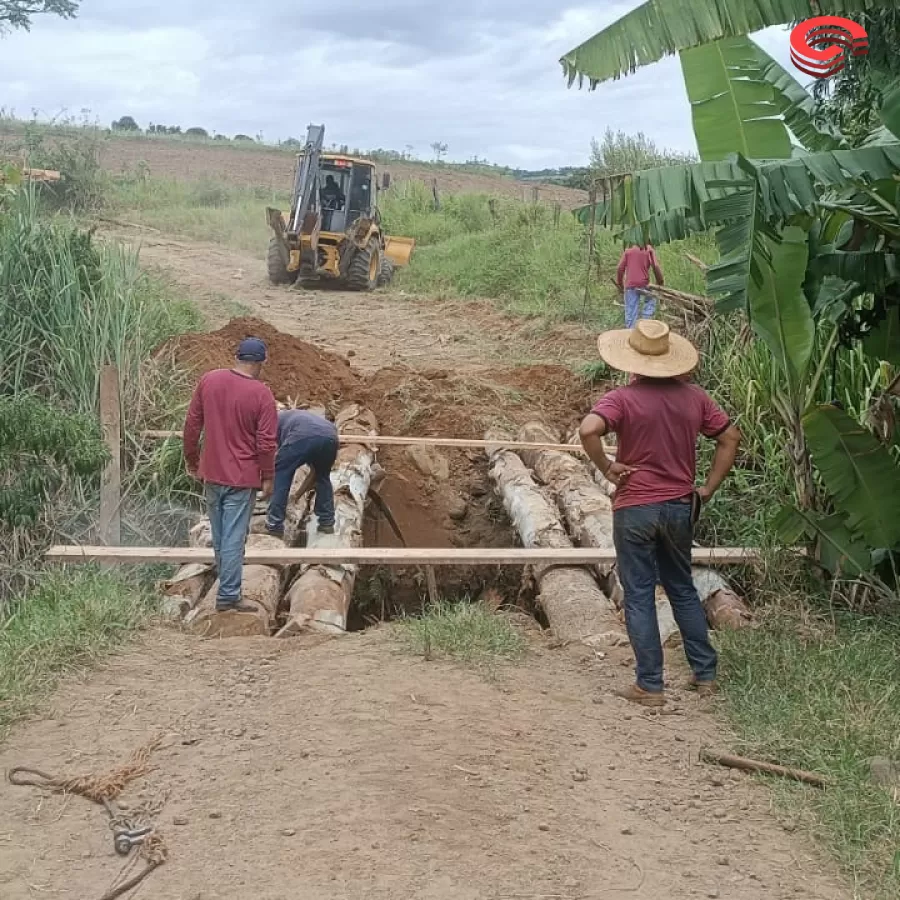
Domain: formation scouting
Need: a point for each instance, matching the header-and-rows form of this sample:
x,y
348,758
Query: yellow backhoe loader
x,y
333,231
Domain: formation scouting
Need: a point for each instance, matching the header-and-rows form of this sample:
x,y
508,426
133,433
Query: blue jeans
x,y
319,453
230,510
650,539
633,302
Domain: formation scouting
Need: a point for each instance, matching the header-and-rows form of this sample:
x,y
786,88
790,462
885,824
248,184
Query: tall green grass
x,y
71,306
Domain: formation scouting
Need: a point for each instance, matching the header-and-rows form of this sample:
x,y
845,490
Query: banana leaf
x,y
859,473
661,28
840,552
779,312
733,108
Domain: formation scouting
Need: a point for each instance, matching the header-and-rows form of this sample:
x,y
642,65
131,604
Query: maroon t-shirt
x,y
657,424
239,422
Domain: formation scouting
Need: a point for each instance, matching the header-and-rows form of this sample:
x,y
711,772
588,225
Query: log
x,y
725,610
575,606
320,596
587,511
185,589
261,588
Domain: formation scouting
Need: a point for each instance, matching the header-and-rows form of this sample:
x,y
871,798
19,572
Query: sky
x,y
481,76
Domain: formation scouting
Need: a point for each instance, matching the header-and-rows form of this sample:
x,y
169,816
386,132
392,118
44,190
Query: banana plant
x,y
804,225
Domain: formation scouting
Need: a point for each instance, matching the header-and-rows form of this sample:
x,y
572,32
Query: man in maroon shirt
x,y
236,414
633,277
656,419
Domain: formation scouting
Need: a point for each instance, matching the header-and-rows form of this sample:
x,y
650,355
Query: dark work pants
x,y
319,453
655,541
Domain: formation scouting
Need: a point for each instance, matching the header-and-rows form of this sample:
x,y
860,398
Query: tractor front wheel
x,y
278,273
386,275
365,269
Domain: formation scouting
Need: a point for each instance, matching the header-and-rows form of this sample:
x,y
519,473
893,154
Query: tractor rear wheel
x,y
365,268
386,275
278,273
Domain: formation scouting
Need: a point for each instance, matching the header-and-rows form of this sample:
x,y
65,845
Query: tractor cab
x,y
346,190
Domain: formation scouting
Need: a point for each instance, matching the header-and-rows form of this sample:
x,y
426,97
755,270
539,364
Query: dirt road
x,y
348,769
377,329
344,770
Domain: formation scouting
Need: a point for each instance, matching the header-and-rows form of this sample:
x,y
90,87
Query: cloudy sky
x,y
479,75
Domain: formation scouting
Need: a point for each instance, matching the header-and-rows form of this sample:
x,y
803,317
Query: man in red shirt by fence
x,y
236,414
633,277
657,419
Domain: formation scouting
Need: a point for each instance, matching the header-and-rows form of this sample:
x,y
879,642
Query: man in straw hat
x,y
235,412
657,418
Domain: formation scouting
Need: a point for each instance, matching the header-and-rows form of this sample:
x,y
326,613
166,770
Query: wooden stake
x,y
111,483
431,582
755,765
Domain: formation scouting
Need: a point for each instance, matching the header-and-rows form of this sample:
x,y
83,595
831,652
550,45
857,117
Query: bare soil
x,y
272,169
342,768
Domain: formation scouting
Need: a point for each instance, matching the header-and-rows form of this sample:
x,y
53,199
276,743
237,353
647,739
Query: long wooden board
x,y
461,443
395,556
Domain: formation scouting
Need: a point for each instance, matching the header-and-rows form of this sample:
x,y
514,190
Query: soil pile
x,y
295,370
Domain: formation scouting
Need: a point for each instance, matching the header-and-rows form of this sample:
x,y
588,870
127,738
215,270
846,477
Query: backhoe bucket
x,y
398,250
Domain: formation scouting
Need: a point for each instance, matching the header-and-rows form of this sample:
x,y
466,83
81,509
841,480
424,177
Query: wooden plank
x,y
111,483
424,556
460,443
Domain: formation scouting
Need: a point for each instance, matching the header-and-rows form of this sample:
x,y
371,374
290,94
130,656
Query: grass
x,y
70,620
202,211
823,695
463,631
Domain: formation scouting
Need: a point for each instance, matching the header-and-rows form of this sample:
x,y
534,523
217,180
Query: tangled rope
x,y
103,789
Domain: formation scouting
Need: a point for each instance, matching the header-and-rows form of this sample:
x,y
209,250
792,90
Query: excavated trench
x,y
438,498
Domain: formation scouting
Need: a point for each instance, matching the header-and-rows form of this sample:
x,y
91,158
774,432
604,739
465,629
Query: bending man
x,y
304,439
657,419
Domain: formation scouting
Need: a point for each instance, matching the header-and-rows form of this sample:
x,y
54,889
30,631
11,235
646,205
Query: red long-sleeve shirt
x,y
237,416
635,265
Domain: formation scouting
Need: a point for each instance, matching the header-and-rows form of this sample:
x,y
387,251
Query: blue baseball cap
x,y
252,350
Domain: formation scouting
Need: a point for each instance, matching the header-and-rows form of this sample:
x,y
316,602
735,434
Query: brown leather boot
x,y
635,694
703,688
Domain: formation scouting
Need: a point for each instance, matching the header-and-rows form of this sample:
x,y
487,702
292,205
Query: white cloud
x,y
398,73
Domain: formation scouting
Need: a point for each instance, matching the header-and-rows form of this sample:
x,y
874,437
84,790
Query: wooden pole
x,y
375,556
111,483
460,443
592,199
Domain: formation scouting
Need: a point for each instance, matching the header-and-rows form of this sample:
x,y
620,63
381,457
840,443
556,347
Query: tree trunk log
x,y
587,510
570,596
320,597
725,610
260,588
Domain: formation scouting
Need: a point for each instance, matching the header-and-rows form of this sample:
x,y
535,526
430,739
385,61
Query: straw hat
x,y
648,349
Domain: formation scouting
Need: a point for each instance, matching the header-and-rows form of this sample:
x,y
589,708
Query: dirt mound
x,y
439,497
295,370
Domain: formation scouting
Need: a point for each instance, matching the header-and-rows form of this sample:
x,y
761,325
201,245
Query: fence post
x,y
592,199
437,199
111,483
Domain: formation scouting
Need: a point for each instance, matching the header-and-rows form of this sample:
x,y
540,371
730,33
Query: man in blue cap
x,y
236,414
304,439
